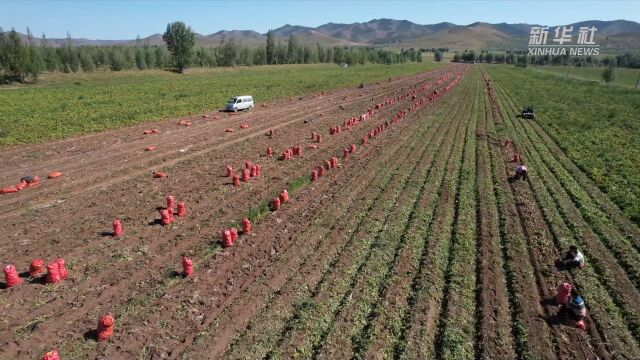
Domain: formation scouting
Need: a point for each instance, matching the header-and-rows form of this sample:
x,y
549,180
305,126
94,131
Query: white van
x,y
239,103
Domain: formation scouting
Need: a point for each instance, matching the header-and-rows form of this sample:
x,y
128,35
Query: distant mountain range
x,y
611,35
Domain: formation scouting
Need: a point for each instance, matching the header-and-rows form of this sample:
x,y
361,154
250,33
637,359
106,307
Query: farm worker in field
x,y
576,312
573,258
521,172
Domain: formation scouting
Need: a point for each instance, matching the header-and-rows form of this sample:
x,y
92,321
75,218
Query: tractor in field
x,y
528,112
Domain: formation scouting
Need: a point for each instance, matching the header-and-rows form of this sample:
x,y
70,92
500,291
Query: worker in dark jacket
x,y
521,172
573,259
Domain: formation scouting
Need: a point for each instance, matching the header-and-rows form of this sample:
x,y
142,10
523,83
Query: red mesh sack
x,y
171,202
246,226
276,203
105,327
51,355
53,273
284,196
187,266
62,270
171,217
245,175
182,209
236,180
563,295
320,171
314,175
9,189
11,276
229,171
159,174
150,148
164,217
117,228
234,234
269,151
36,268
54,174
227,238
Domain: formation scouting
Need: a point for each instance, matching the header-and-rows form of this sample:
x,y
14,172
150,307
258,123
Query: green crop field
x,y
624,76
596,125
64,105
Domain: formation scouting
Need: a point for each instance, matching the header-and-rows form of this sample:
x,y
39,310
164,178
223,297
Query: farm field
x,y
416,246
595,125
624,76
68,104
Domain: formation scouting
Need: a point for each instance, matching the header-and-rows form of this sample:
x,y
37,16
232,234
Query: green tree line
x,y
627,60
24,60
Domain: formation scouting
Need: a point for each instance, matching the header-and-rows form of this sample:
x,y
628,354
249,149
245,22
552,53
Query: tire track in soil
x,y
542,255
419,325
114,156
607,320
495,340
303,245
349,334
323,251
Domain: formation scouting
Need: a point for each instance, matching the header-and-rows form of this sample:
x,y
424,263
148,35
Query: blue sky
x,y
127,19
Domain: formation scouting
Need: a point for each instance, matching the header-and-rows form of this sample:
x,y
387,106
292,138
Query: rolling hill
x,y
616,35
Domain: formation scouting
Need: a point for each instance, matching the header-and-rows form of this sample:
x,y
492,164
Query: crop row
x,y
602,288
332,293
325,260
365,300
419,324
519,281
458,321
496,331
131,306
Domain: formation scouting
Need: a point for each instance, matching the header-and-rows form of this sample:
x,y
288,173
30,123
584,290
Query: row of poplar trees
x,y
24,59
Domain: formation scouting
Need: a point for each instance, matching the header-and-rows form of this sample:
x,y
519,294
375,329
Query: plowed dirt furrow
x,y
495,340
134,283
542,257
359,233
532,334
345,336
149,232
87,172
293,252
420,323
